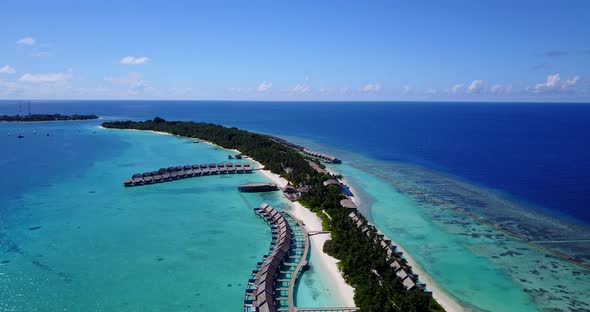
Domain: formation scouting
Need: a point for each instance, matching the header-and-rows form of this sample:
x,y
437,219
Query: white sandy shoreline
x,y
328,263
449,303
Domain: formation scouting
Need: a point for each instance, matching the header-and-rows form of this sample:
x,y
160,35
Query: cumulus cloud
x,y
132,81
407,89
7,69
26,41
132,60
45,77
372,88
500,89
476,86
456,88
553,83
264,86
300,88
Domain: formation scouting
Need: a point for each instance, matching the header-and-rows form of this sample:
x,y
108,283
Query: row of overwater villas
x,y
183,172
262,288
398,263
325,157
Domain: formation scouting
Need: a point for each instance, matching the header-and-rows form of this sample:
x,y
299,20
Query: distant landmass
x,y
46,117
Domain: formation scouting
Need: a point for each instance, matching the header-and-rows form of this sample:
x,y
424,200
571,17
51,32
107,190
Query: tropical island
x,y
45,117
382,279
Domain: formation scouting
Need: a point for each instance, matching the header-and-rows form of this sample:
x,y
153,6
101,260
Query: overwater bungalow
x,y
196,166
230,165
181,174
162,170
214,170
171,169
238,165
197,172
246,165
146,174
187,167
220,165
203,166
178,168
212,165
157,178
205,171
174,175
248,170
189,171
128,182
166,176
222,170
148,179
240,170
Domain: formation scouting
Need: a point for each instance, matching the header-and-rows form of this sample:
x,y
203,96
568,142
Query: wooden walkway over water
x,y
187,171
273,282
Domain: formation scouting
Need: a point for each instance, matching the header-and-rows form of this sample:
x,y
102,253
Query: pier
x,y
183,172
271,286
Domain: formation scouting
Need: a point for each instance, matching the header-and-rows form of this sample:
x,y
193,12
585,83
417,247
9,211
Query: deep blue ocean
x,y
538,153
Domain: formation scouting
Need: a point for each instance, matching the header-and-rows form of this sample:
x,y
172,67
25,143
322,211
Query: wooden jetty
x,y
271,286
186,171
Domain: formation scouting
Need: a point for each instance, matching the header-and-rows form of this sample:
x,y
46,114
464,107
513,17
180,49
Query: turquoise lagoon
x,y
482,268
72,238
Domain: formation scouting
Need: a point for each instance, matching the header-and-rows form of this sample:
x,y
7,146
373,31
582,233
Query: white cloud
x,y
431,92
264,86
7,70
476,86
555,84
372,88
457,88
132,81
407,89
26,41
132,60
46,78
496,89
300,88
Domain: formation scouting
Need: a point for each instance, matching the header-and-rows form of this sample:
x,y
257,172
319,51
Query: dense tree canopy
x,y
46,117
363,262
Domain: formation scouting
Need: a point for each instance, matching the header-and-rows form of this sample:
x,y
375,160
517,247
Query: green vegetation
x,y
46,117
363,262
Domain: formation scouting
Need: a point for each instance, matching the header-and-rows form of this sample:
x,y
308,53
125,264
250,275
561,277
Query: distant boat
x,y
47,134
34,131
230,157
238,156
21,136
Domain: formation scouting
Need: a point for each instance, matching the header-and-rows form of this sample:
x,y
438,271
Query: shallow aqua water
x,y
73,238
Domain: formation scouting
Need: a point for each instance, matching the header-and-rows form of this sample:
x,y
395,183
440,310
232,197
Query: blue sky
x,y
296,50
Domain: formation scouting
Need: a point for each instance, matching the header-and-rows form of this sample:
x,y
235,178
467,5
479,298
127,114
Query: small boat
x,y
230,157
21,136
238,156
34,131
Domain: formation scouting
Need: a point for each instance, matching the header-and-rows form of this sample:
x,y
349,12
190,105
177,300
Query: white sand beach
x,y
444,299
328,263
313,223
